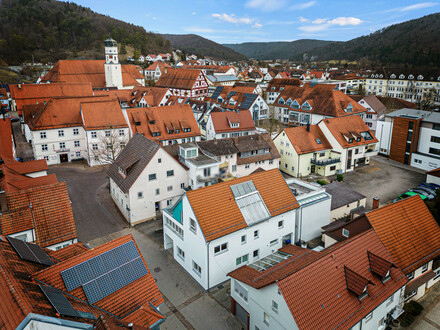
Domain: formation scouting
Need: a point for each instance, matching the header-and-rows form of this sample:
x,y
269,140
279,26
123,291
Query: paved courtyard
x,y
384,179
187,305
430,317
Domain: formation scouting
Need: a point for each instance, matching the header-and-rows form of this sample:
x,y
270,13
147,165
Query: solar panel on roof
x,y
30,252
249,99
106,273
217,92
230,94
59,301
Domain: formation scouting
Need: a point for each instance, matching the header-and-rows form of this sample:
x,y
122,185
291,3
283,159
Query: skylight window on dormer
x,y
401,76
349,108
281,101
306,106
295,105
410,76
393,76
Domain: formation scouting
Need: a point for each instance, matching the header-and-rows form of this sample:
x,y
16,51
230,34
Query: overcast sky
x,y
236,21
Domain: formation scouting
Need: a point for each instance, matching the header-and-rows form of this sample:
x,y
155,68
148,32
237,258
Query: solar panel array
x,y
30,252
230,94
270,261
106,273
250,98
58,301
217,92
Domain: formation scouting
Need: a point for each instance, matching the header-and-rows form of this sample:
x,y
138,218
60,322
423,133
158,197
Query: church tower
x,y
113,73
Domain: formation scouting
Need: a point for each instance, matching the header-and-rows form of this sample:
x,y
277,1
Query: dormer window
x,y
345,232
170,131
350,140
281,101
410,76
363,294
420,77
219,100
349,108
122,171
281,88
187,130
151,122
177,131
401,76
358,139
154,134
393,76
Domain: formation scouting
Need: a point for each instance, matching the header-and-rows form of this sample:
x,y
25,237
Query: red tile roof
x,y
348,127
304,141
218,213
12,180
21,295
6,139
163,119
102,114
323,98
221,121
179,78
27,167
435,172
46,209
27,94
159,64
58,113
408,231
89,71
68,252
124,302
317,294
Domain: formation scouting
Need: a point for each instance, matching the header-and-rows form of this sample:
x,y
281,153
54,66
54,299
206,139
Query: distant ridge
x,y
415,42
277,49
192,43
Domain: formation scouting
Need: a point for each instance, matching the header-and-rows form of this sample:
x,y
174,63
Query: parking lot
x,y
384,179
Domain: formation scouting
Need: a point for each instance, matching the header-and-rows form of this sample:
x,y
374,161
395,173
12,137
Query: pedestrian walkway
x,y
22,148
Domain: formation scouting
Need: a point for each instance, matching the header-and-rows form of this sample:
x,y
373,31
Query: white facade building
x,y
211,231
145,179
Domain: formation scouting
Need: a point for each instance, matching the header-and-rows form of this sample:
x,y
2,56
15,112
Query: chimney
x,y
3,202
236,140
19,86
259,138
308,127
375,203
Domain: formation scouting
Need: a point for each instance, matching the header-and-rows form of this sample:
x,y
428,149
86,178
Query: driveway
x,y
94,212
430,317
384,179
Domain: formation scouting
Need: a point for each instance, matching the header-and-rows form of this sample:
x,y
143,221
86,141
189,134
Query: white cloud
x,y
266,5
320,21
304,5
193,12
154,18
232,18
418,6
314,28
343,21
303,20
257,25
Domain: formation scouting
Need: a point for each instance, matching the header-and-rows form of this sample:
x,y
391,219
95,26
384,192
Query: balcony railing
x,y
207,178
325,162
370,150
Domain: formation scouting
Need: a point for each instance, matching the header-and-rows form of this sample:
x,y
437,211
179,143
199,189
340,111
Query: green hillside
x,y
51,30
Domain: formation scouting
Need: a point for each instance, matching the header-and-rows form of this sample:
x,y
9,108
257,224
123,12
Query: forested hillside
x,y
277,49
414,42
51,30
192,43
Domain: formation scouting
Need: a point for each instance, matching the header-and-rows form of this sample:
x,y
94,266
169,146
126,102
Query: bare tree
x,y
108,147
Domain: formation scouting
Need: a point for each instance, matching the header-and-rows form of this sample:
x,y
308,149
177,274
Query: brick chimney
x,y
3,202
375,203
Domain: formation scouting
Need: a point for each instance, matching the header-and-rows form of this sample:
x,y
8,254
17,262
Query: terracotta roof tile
x,y
348,127
89,71
134,295
179,78
408,231
58,113
101,114
210,202
317,294
45,209
27,167
221,121
27,94
305,141
163,119
6,139
69,251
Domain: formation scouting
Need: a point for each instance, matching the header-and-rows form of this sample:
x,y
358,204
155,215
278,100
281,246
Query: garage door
x,y
241,314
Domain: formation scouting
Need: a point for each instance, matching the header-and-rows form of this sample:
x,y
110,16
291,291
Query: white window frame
x,y
192,225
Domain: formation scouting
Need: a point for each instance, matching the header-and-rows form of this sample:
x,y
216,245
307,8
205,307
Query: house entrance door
x,y
64,158
312,169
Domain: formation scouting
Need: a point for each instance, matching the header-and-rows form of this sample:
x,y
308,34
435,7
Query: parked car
x,y
430,185
432,191
410,194
422,192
